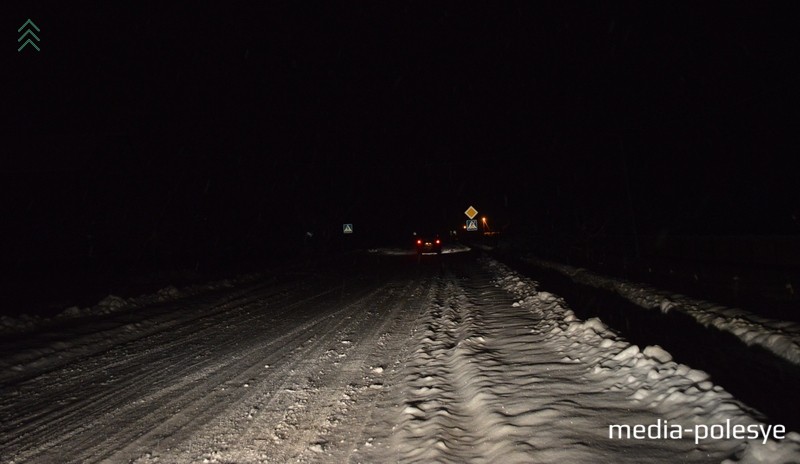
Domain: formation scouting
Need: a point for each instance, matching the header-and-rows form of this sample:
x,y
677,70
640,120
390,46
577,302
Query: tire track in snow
x,y
74,341
315,397
295,411
95,392
109,402
233,383
497,381
446,409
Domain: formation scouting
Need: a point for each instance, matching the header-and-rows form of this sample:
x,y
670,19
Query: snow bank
x,y
779,337
649,376
112,303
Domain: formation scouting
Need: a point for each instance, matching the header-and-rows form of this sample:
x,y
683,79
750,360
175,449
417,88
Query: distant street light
x,y
486,229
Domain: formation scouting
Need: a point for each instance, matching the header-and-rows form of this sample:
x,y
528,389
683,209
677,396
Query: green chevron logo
x,y
29,34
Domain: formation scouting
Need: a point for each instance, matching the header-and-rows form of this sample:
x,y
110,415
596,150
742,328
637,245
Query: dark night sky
x,y
158,127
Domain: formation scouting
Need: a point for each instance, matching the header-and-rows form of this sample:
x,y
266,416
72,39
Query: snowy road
x,y
379,358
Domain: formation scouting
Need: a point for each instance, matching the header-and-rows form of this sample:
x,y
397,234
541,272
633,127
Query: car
x,y
430,243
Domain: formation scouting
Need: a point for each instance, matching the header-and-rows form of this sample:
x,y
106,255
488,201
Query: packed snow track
x,y
378,357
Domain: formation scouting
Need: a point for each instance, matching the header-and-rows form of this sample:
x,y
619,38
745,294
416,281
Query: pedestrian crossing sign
x,y
472,224
347,228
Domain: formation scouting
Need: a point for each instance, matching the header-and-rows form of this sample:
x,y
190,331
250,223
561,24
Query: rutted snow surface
x,y
467,362
493,380
113,303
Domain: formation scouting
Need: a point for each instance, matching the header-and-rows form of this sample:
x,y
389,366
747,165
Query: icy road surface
x,y
379,358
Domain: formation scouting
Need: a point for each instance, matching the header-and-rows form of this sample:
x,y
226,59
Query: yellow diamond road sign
x,y
471,212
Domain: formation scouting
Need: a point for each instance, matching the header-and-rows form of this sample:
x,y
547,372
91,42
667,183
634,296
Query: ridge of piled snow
x,y
648,376
113,303
779,337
